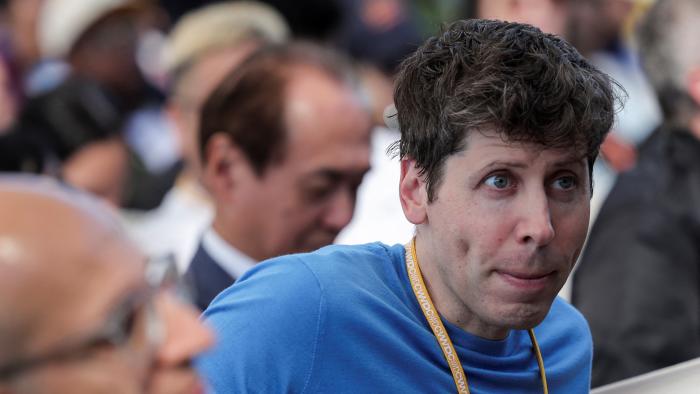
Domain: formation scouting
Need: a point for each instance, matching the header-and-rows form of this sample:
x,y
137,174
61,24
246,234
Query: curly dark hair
x,y
510,77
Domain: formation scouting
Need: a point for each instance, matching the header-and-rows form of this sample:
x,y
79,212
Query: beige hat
x,y
219,25
62,22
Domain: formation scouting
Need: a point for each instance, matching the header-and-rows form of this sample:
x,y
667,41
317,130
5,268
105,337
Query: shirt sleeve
x,y
268,328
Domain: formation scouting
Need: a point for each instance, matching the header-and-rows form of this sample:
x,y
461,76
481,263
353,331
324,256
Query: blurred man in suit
x,y
285,142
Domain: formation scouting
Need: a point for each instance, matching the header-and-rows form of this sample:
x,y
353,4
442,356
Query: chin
x,y
318,242
526,316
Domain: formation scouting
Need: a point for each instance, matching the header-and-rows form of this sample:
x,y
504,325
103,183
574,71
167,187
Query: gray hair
x,y
669,51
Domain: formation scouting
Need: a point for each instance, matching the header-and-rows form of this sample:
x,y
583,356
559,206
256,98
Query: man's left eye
x,y
565,182
498,181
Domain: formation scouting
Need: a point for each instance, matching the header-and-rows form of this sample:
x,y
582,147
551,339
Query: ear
x,y
694,84
413,194
223,165
693,89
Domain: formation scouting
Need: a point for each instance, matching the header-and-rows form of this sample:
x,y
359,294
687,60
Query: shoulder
x,y
267,327
271,323
565,328
565,317
349,260
567,348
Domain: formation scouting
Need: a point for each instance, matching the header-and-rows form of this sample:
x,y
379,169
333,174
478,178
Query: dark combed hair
x,y
249,105
509,77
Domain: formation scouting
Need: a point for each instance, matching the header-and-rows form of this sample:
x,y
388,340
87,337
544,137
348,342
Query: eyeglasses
x,y
133,323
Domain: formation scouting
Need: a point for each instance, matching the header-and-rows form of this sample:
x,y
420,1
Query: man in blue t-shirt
x,y
500,125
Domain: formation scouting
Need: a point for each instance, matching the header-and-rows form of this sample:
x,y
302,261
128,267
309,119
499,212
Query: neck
x,y
448,303
240,237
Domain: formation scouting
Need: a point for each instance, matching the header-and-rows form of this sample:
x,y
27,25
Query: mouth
x,y
527,281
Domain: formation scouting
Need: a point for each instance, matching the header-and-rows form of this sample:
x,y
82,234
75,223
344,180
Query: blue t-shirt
x,y
345,320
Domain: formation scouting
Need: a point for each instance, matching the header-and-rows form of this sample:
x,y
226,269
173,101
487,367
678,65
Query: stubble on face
x,y
503,233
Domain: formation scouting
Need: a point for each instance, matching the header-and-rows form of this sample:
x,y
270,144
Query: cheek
x,y
92,376
571,229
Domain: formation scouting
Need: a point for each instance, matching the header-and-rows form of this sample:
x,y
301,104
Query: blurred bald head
x,y
51,240
76,311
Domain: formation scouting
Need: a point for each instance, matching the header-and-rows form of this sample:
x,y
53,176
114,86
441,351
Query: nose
x,y
186,335
535,225
340,209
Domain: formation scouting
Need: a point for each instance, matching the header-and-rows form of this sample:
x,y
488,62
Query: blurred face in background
x,y
301,201
595,24
549,15
106,52
85,316
23,16
100,168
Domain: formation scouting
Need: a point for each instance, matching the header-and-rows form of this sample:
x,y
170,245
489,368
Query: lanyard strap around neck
x,y
443,339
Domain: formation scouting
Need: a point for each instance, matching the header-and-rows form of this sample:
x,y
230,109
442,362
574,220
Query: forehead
x,y
487,146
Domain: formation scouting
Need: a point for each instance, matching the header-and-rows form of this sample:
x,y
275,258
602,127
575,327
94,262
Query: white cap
x,y
62,22
221,25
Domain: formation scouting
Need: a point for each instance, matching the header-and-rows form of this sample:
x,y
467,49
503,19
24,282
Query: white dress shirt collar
x,y
229,258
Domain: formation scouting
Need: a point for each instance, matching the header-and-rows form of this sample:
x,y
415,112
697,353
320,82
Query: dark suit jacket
x,y
638,281
207,278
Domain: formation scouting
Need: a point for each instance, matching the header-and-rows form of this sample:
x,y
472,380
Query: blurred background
x,y
94,93
84,84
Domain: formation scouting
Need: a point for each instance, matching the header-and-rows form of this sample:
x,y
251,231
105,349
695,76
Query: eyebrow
x,y
504,163
569,160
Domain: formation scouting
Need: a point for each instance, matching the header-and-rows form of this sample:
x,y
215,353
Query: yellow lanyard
x,y
443,339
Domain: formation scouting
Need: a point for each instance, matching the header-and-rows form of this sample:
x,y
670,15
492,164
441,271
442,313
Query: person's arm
x,y
637,285
267,328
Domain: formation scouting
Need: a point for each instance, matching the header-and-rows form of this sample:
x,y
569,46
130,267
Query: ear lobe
x,y
414,198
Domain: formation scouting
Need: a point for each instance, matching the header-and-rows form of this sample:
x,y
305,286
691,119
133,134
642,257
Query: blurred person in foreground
x,y
81,309
205,45
285,142
638,281
500,126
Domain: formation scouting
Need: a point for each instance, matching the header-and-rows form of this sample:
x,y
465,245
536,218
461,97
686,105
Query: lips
x,y
531,281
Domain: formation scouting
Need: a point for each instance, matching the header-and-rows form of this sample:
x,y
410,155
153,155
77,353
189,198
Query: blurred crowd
x,y
223,133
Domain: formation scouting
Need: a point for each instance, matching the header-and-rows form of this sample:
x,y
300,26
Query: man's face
x,y
303,202
92,293
501,237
